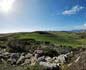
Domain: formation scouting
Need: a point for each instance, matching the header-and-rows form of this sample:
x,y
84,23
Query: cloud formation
x,y
73,10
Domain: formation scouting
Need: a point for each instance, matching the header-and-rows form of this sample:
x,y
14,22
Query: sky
x,y
42,15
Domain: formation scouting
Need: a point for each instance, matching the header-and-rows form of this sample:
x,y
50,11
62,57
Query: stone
x,y
27,61
28,55
12,61
33,60
61,59
50,66
21,59
42,58
38,53
48,59
14,55
3,60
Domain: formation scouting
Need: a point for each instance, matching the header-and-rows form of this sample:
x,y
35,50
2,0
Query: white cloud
x,y
73,10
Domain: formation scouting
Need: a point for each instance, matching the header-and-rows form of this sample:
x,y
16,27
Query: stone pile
x,y
33,58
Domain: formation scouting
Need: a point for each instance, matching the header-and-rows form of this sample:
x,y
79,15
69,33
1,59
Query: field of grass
x,y
57,38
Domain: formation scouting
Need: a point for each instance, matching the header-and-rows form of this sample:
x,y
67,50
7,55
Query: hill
x,y
55,37
80,30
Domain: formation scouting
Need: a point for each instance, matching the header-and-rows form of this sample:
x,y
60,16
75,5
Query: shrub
x,y
50,52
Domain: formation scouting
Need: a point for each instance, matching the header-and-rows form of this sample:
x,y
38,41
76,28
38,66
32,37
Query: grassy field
x,y
54,37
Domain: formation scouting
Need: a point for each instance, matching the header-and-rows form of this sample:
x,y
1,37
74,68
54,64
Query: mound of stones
x,y
51,63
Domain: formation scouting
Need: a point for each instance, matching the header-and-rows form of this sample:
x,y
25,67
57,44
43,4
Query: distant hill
x,y
81,30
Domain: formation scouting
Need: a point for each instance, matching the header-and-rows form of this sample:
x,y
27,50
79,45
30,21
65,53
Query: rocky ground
x,y
33,58
69,61
28,54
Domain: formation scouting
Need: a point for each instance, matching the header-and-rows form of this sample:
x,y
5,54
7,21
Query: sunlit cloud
x,y
73,10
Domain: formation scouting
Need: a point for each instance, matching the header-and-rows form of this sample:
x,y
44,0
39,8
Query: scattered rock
x,y
38,53
50,66
61,59
27,61
28,55
12,61
42,58
21,59
48,59
33,60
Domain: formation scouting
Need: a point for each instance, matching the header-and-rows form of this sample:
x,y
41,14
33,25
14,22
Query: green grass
x,y
57,38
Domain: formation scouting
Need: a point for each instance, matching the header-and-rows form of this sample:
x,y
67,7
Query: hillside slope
x,y
58,38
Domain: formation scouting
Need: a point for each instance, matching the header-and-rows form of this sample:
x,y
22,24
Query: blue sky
x,y
50,15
